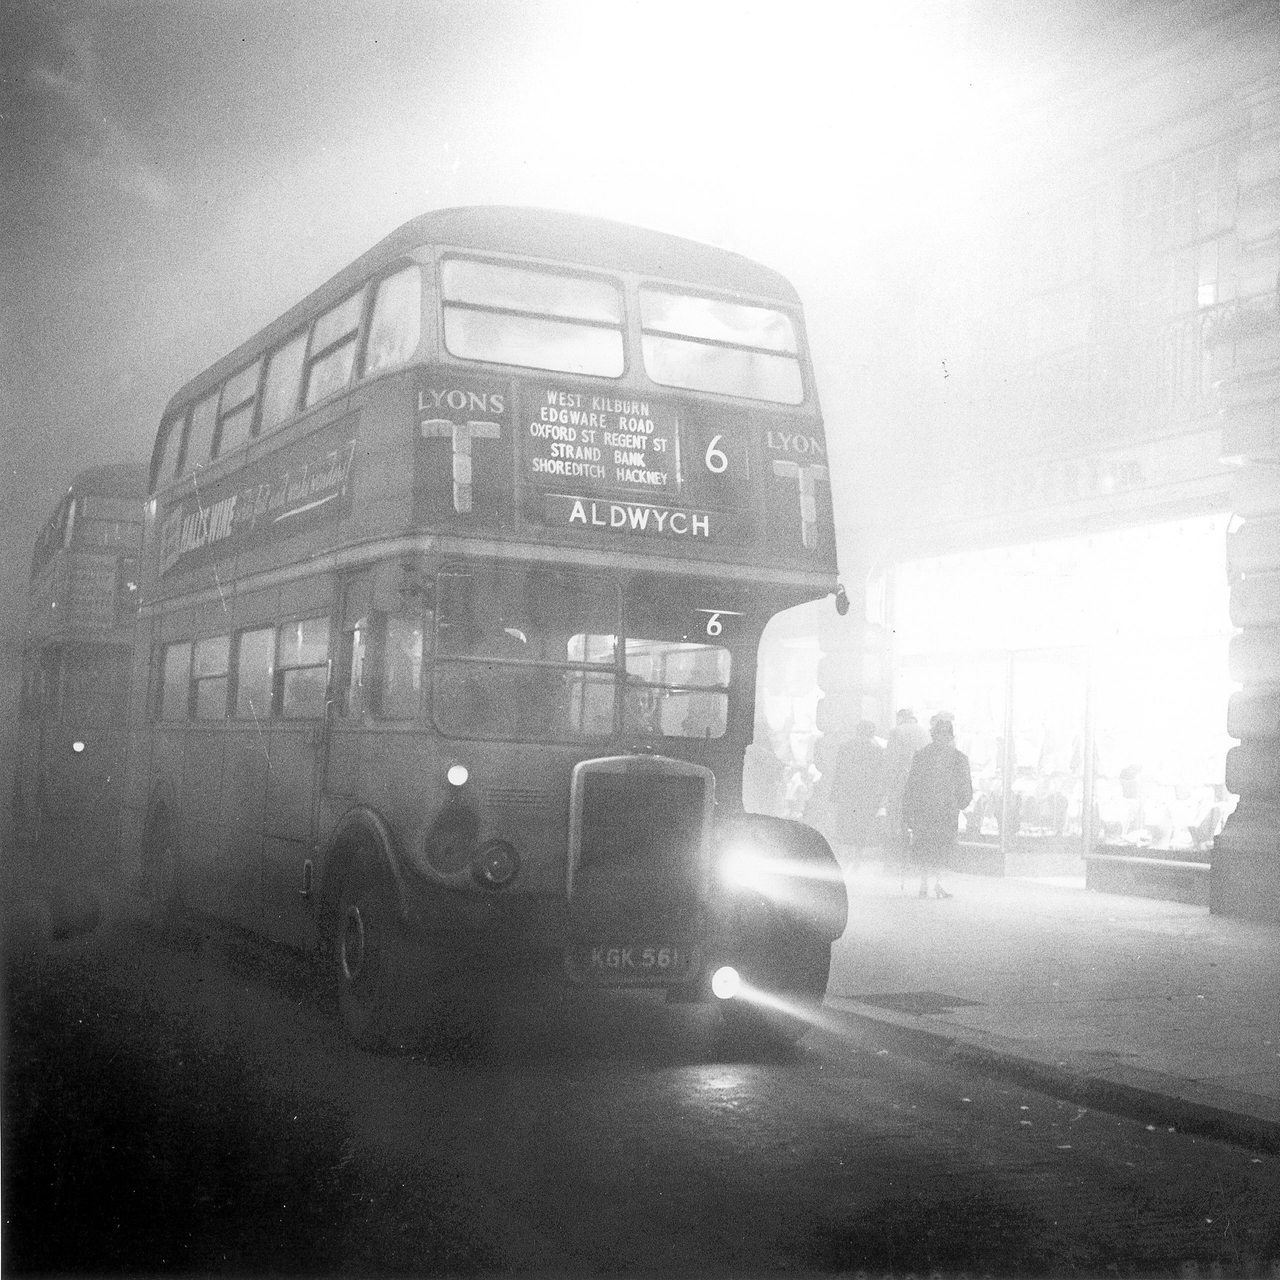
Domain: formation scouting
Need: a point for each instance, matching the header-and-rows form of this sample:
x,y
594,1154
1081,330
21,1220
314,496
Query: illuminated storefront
x,y
1088,676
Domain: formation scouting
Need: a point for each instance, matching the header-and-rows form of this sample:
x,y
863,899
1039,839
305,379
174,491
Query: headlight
x,y
725,982
747,866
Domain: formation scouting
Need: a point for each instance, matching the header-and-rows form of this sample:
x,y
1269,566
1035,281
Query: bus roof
x,y
539,233
112,480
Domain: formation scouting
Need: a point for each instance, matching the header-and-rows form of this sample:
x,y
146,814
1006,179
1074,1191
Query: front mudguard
x,y
806,885
776,924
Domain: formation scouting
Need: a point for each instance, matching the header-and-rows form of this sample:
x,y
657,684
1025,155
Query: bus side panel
x,y
244,797
291,779
202,835
136,775
133,811
382,484
287,914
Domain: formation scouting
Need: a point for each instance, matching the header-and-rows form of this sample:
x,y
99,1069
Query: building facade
x,y
1073,538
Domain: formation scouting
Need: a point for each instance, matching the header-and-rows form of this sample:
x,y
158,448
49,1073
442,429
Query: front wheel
x,y
368,953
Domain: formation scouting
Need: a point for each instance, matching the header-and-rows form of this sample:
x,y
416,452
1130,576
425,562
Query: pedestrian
x,y
938,787
907,737
857,787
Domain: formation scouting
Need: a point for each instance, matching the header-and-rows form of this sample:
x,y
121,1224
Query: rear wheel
x,y
368,951
160,893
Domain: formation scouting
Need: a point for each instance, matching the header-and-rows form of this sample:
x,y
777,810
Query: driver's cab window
x,y
677,659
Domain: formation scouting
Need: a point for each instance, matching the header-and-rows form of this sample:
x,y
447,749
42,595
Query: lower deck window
x,y
174,682
302,668
254,671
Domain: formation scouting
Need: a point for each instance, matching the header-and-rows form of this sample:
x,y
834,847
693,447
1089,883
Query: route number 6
x,y
717,462
714,625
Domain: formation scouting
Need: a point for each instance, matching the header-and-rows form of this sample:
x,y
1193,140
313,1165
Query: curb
x,y
1084,1078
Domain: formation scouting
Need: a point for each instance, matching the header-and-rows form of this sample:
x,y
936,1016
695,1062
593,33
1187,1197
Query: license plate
x,y
631,962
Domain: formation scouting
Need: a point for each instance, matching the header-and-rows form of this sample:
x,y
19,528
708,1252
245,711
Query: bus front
x,y
626,477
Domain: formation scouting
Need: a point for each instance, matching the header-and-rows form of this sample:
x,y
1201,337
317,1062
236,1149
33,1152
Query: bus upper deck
x,y
521,376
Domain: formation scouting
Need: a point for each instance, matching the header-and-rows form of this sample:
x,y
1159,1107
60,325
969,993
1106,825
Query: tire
x,y
791,965
161,895
369,957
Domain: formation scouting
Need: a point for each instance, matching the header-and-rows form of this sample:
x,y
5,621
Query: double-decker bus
x,y
454,577
81,607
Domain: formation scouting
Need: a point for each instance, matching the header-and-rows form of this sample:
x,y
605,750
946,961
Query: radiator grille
x,y
650,821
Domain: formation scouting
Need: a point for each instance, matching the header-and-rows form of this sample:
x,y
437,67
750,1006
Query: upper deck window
x,y
235,408
706,344
536,319
396,324
199,442
280,390
332,353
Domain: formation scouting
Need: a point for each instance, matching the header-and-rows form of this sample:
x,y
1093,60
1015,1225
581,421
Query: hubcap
x,y
352,944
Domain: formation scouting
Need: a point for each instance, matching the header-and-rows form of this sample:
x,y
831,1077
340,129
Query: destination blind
x,y
600,442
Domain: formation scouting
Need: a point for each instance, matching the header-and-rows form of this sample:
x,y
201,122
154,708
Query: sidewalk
x,y
1128,1004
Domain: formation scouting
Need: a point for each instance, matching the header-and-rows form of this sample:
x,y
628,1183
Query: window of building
x,y
332,352
1181,216
280,389
235,408
209,677
395,326
302,668
707,344
536,319
254,672
174,685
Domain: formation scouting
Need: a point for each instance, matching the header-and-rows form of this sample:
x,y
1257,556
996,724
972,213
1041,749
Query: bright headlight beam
x,y
753,870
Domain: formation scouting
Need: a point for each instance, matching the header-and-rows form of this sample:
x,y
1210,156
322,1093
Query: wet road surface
x,y
191,1105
